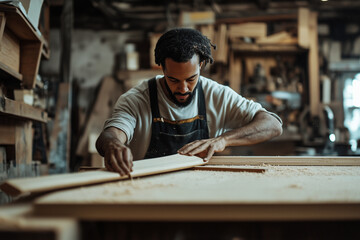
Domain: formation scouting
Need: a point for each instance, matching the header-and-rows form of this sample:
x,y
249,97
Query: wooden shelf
x,y
19,109
11,72
17,22
25,38
266,48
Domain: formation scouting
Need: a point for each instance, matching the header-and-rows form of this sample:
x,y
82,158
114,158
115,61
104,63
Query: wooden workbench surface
x,y
281,193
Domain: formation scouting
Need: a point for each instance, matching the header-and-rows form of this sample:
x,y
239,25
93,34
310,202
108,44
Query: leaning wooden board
x,y
281,193
25,186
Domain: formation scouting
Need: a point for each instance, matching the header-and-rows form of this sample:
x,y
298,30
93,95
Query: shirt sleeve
x,y
239,111
124,116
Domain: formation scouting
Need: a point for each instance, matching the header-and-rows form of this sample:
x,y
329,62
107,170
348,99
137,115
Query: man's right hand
x,y
117,156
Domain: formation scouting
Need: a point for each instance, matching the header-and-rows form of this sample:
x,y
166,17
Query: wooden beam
x,y
2,26
235,72
221,42
303,27
24,186
314,78
262,18
250,29
285,160
230,169
265,48
24,143
17,222
276,38
22,110
30,61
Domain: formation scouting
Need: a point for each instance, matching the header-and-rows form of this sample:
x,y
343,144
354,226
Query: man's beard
x,y
173,98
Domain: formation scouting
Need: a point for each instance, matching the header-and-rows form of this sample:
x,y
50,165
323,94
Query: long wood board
x,y
286,160
26,186
280,193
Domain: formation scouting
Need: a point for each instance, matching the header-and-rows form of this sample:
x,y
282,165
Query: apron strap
x,y
153,98
201,99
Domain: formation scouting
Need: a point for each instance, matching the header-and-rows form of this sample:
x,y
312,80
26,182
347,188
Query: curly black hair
x,y
180,44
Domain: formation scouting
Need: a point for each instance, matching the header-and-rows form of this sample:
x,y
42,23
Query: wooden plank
x,y
250,29
265,48
280,193
229,169
2,26
275,38
235,72
16,187
17,223
23,143
10,50
10,71
7,133
285,160
262,18
201,212
30,61
189,19
303,27
221,42
313,65
153,38
22,110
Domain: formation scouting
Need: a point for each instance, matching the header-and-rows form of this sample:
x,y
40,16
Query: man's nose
x,y
183,87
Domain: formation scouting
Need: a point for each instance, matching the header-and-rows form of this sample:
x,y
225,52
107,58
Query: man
x,y
181,111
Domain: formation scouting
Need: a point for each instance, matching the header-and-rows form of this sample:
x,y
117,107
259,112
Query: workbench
x,y
313,193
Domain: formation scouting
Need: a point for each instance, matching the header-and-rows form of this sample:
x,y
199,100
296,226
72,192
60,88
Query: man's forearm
x,y
262,128
109,135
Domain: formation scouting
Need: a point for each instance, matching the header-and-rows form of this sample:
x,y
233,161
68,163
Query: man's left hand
x,y
204,148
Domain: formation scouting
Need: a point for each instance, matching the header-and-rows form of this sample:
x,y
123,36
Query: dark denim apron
x,y
169,136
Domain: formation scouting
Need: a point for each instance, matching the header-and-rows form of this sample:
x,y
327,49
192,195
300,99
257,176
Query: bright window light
x,y
356,91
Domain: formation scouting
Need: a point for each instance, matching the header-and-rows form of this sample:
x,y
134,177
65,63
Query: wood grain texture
x,y
16,223
22,110
303,27
10,50
313,64
286,160
281,193
229,169
2,25
23,186
30,61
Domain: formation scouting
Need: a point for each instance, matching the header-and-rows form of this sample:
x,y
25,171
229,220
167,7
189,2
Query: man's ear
x,y
201,64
